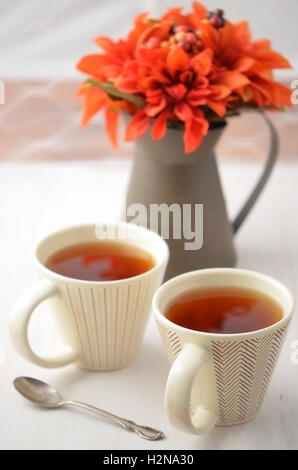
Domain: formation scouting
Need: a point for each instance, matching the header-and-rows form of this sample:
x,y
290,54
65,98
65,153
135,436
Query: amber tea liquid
x,y
100,261
224,310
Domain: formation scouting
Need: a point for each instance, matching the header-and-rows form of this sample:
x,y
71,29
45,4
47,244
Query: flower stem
x,y
114,93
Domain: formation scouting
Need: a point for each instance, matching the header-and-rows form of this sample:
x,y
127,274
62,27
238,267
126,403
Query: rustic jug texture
x,y
164,174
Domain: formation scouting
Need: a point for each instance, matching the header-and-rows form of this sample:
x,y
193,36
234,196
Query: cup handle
x,y
19,323
178,392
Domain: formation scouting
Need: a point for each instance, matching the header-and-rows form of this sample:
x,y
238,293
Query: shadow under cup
x,y
107,318
219,378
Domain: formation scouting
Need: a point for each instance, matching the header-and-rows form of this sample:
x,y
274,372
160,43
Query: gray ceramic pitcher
x,y
163,174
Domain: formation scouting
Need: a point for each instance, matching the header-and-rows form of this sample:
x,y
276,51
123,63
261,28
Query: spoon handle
x,y
143,431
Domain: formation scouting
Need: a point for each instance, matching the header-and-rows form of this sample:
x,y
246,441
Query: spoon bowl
x,y
38,392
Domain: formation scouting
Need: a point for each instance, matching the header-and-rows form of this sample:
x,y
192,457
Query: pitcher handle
x,y
271,159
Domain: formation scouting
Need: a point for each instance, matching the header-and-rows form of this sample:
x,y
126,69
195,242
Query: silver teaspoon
x,y
46,396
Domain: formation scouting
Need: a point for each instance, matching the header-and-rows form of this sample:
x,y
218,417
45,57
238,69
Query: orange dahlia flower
x,y
186,70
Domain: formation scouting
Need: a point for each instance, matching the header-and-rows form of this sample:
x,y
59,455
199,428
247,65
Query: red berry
x,y
153,42
184,45
219,12
199,44
180,27
215,21
191,38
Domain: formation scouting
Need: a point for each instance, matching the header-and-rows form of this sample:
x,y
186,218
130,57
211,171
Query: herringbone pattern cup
x,y
219,378
243,370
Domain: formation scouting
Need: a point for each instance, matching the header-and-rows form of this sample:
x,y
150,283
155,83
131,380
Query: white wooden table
x,y
36,198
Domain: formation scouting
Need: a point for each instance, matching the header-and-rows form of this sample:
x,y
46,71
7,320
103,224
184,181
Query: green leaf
x,y
118,94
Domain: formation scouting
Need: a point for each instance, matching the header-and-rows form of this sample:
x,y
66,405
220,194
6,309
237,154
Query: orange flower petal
x,y
243,64
141,17
198,113
242,33
225,38
159,127
246,93
202,62
217,106
273,60
270,59
195,129
200,10
261,44
112,125
154,96
171,12
177,91
92,64
219,92
147,83
198,97
232,79
186,76
258,98
210,37
266,74
177,60
263,86
128,84
137,126
281,95
162,32
105,43
162,76
94,100
140,26
153,109
151,30
174,16
183,111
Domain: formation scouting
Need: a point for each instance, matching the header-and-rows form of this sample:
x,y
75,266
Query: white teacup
x,y
107,317
219,379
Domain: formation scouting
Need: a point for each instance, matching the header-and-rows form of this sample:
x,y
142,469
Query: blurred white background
x,y
41,39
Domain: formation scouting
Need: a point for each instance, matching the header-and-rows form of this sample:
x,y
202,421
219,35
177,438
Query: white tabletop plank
x,y
36,198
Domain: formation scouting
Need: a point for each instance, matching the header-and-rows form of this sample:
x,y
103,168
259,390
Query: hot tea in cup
x,y
100,261
223,330
225,310
99,279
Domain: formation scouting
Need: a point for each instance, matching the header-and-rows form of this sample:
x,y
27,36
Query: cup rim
x,y
48,272
159,316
